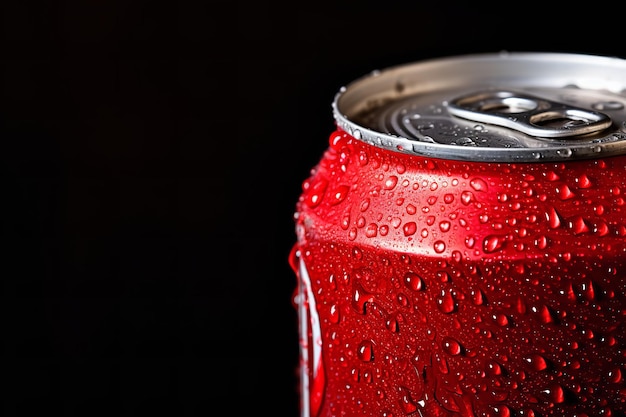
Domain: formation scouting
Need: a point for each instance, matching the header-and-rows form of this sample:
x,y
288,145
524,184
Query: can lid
x,y
501,107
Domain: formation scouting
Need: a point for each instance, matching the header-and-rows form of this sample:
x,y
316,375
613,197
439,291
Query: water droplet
x,y
345,221
541,242
528,412
565,153
334,314
465,141
554,220
402,299
392,324
371,230
360,298
360,222
579,226
569,292
451,346
584,181
555,393
467,197
338,140
492,367
444,276
478,297
365,204
365,352
391,182
446,302
615,375
356,374
478,184
406,402
411,209
607,105
552,176
413,281
439,246
599,209
493,243
363,158
588,291
501,319
601,228
564,192
409,228
501,411
537,362
315,193
545,314
339,194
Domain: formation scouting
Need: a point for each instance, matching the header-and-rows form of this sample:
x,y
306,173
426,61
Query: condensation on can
x,y
461,243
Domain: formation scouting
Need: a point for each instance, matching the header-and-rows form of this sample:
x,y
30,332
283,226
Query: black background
x,y
151,158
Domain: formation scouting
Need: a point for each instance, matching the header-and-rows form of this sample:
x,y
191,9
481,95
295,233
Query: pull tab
x,y
528,114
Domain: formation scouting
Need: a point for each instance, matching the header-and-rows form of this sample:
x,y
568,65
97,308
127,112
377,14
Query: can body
x,y
446,286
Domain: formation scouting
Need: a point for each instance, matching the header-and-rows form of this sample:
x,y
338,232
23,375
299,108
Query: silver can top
x,y
501,107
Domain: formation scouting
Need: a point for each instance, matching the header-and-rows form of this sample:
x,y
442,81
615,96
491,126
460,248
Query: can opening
x,y
567,119
508,105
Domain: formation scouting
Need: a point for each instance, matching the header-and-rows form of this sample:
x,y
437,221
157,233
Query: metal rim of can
x,y
414,108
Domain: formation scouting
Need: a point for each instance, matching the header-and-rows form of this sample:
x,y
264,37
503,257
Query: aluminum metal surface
x,y
501,107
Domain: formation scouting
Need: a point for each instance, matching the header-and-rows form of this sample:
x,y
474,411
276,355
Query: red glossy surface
x,y
447,288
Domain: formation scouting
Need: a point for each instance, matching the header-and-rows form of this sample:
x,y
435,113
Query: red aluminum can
x,y
461,244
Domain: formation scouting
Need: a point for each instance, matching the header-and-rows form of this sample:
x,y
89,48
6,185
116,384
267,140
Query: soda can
x,y
461,245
